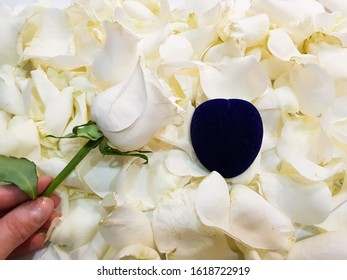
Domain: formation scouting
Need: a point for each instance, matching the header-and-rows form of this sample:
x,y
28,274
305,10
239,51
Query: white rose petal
x,y
175,4
11,99
179,233
119,56
282,12
216,53
137,252
179,135
281,45
311,170
313,87
304,204
125,226
59,111
213,202
10,26
16,131
44,87
91,251
200,39
180,164
328,246
249,174
99,173
52,252
176,47
140,18
335,6
337,219
145,185
253,30
242,78
304,138
80,225
256,222
53,37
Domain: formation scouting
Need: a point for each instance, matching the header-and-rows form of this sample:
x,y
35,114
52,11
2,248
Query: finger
x,y
22,222
47,224
11,196
34,242
56,199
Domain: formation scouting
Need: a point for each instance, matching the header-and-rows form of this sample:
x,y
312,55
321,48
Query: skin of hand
x,y
23,222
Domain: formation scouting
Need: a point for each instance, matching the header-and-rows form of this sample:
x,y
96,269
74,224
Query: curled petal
x,y
213,202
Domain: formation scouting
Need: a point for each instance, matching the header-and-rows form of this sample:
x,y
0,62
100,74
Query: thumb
x,y
22,222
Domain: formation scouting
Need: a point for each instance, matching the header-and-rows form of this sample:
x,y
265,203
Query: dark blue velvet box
x,y
226,135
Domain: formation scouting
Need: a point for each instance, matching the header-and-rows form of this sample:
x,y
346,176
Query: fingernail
x,y
41,209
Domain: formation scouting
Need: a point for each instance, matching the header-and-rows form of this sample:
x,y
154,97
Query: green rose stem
x,y
82,153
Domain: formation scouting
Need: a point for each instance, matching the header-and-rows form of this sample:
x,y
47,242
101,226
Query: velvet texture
x,y
226,135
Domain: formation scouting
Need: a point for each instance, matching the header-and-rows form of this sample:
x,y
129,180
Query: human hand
x,y
23,222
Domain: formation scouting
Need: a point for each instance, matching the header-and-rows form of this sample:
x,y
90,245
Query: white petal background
x,y
139,69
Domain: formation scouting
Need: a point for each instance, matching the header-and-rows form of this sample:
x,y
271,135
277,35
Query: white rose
x,y
130,114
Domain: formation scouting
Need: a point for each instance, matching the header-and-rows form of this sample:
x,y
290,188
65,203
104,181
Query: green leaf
x,y
20,172
89,131
105,149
